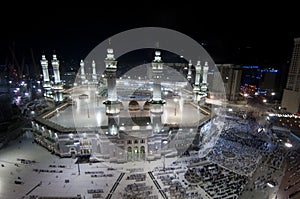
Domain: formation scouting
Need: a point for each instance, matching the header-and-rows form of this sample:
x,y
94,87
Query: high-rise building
x,y
231,77
291,94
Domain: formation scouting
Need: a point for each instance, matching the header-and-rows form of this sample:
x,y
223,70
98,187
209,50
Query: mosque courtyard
x,y
230,170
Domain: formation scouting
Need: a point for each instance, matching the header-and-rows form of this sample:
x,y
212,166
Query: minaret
x,y
157,70
196,88
57,83
94,77
198,74
156,109
189,75
112,104
110,72
83,79
47,84
204,83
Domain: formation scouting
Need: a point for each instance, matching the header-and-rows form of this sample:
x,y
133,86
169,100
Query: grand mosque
x,y
152,111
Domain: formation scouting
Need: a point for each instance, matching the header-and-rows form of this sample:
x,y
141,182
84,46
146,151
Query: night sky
x,y
242,36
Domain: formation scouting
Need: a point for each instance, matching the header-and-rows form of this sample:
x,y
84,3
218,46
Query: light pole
x,y
246,97
77,144
264,100
78,167
164,145
273,96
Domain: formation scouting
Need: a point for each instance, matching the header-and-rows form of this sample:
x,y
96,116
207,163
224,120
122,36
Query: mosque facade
x,y
139,127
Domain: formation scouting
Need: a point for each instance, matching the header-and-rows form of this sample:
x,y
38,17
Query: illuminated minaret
x,y
204,83
83,79
57,83
157,70
196,88
156,109
112,104
110,72
189,75
47,84
198,74
94,77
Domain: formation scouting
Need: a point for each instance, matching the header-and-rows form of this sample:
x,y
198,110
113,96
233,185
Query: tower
x,y
57,83
201,94
157,70
189,75
291,94
204,83
230,76
110,73
46,83
196,88
94,76
82,76
112,104
157,103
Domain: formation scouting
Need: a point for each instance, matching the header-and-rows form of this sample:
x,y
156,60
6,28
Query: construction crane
x,y
15,61
36,68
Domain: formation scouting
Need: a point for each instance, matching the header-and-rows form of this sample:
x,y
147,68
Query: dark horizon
x,y
73,33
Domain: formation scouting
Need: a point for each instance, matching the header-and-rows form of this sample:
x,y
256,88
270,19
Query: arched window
x,y
146,106
136,153
133,106
142,152
129,153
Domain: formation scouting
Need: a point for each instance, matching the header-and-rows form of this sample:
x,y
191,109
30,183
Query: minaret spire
x,y
57,83
46,79
157,102
111,69
94,76
189,75
83,78
112,104
196,88
157,70
204,83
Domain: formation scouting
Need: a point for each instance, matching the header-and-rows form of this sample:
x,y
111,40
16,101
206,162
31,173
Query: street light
x,y
288,144
164,144
270,184
77,144
272,97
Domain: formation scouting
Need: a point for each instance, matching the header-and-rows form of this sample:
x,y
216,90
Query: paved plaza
x,y
90,112
242,164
